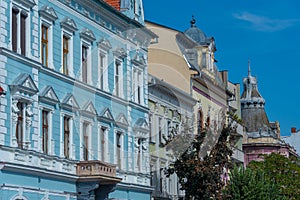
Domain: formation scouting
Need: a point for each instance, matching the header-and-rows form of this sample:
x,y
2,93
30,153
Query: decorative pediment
x,y
106,115
89,109
48,13
120,53
141,125
122,121
24,84
69,102
138,60
104,44
26,3
69,24
88,35
48,96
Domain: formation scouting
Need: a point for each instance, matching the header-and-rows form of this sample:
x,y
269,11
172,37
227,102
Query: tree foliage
x,y
248,184
200,174
282,171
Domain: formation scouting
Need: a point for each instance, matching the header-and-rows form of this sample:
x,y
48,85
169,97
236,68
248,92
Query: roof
x,y
197,34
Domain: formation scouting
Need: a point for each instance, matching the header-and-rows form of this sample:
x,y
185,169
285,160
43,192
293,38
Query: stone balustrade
x,y
95,168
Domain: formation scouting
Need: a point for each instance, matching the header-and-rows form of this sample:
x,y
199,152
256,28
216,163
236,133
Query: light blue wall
x,y
132,194
62,85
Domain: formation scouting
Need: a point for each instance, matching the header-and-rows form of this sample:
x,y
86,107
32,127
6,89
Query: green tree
x,y
280,170
248,184
200,167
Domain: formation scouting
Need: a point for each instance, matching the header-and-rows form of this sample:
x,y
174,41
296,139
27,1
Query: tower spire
x,y
249,69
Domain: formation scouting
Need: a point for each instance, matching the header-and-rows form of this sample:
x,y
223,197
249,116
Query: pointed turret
x,y
253,111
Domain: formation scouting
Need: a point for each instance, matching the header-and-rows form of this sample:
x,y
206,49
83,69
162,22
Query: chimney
x,y
114,3
293,130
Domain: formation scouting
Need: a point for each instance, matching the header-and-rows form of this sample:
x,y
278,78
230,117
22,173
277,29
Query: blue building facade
x,y
74,117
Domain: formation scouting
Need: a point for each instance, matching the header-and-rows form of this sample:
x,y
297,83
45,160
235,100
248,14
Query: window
x,y
85,141
84,63
23,33
47,18
103,71
19,30
152,134
20,126
119,149
137,86
103,143
68,28
160,134
140,153
14,28
66,55
45,131
44,47
103,49
67,142
118,78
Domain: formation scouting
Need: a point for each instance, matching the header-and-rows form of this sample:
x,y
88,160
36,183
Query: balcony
x,y
94,170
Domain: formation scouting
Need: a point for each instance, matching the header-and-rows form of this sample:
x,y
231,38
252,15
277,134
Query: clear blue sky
x,y
264,31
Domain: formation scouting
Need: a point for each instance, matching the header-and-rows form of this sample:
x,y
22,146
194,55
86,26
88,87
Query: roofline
x,y
164,26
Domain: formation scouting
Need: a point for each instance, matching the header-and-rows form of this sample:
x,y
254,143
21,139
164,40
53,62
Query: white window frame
x,y
121,164
89,127
86,44
120,91
137,86
49,25
103,70
103,147
68,35
50,141
71,144
25,9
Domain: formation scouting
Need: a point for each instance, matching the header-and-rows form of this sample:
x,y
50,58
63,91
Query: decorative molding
x,y
122,121
24,84
104,44
141,125
138,60
70,103
69,24
48,96
48,13
89,109
87,35
106,115
26,3
120,53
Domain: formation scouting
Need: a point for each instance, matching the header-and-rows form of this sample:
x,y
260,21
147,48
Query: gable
x,y
24,84
106,115
89,109
141,125
48,96
69,102
122,121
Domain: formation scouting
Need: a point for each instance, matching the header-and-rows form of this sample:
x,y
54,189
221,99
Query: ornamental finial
x,y
193,21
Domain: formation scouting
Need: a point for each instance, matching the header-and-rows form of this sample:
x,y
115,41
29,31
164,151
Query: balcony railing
x,y
94,169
